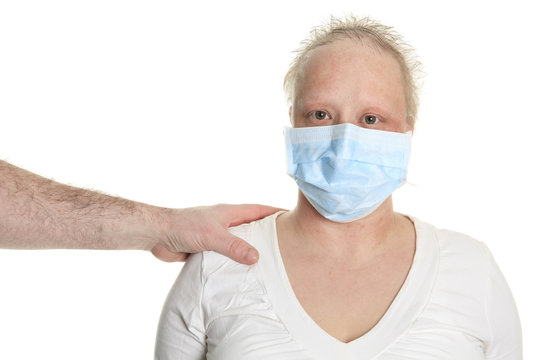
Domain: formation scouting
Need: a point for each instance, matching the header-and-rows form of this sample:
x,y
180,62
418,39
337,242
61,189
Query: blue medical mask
x,y
346,171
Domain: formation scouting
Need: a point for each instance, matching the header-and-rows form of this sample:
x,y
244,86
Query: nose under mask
x,y
346,171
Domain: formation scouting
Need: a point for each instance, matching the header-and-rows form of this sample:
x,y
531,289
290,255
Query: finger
x,y
244,213
164,254
236,249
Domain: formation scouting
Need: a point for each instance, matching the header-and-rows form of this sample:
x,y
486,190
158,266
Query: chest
x,y
259,334
264,316
347,304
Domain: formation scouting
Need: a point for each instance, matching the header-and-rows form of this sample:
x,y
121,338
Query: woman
x,y
343,276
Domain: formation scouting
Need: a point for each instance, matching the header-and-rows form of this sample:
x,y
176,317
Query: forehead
x,y
353,66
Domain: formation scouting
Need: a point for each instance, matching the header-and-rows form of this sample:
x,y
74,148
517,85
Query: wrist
x,y
157,224
143,229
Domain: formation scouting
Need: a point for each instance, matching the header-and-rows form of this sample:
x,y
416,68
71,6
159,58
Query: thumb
x,y
236,249
164,254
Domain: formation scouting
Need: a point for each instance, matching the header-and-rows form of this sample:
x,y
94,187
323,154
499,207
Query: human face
x,y
350,82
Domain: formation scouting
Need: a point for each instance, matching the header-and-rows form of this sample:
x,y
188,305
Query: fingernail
x,y
250,256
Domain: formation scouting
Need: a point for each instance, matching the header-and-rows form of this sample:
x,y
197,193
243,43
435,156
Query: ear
x,y
290,116
409,125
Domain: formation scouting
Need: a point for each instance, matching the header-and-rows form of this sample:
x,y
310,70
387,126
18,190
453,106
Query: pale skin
x,y
38,213
346,276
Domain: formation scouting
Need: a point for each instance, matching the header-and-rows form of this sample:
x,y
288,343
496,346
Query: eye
x,y
370,119
320,115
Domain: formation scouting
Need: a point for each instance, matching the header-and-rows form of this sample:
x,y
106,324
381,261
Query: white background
x,y
180,104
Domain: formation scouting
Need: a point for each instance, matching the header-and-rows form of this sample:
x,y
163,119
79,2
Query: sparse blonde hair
x,y
381,36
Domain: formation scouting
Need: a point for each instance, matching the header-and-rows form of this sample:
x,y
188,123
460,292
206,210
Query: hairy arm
x,y
38,213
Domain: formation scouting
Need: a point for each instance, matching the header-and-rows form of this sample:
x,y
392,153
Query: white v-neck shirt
x,y
454,304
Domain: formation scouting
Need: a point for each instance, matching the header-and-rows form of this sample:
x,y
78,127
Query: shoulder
x,y
256,233
217,269
470,292
465,264
200,267
462,272
456,249
229,287
211,283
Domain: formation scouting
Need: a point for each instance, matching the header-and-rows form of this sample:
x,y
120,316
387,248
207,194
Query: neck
x,y
359,240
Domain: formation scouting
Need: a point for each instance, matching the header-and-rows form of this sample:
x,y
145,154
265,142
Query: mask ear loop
x,y
407,182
